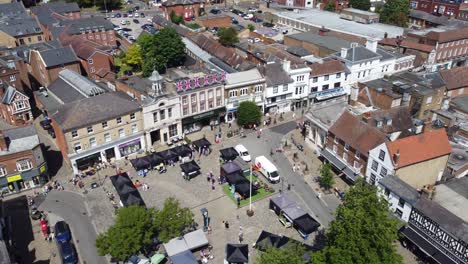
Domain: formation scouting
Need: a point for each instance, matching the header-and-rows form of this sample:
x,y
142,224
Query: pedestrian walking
x,y
241,237
212,185
294,115
294,167
230,124
226,224
238,202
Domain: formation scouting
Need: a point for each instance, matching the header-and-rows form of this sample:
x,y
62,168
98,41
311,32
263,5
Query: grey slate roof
x,y
329,42
89,23
400,188
275,75
359,53
93,110
9,95
298,51
64,92
20,139
55,57
58,7
14,9
385,55
20,26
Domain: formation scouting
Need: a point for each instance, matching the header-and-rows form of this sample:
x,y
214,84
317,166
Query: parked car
x,y
235,11
136,21
46,124
215,11
43,91
67,252
248,16
268,24
126,29
267,169
125,15
51,133
131,38
130,15
123,22
136,14
142,14
118,15
62,231
252,9
234,21
137,7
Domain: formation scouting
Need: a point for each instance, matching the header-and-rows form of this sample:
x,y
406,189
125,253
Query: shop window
x,y
107,137
24,164
121,133
172,130
90,130
132,116
134,128
104,124
3,171
92,142
74,134
77,147
119,120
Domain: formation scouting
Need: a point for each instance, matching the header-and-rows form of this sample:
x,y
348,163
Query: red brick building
x,y
15,107
440,7
68,10
11,75
95,29
188,9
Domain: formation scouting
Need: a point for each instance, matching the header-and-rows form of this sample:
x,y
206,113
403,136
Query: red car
x,y
44,228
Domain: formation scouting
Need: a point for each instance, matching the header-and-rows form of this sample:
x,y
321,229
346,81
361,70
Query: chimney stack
x,y
3,143
371,44
287,66
344,52
396,157
366,117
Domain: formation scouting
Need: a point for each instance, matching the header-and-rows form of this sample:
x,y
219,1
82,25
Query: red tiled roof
x,y
327,67
407,44
447,36
419,148
455,78
83,48
356,133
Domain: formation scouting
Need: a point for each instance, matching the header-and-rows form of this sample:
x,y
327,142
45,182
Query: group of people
x,y
210,178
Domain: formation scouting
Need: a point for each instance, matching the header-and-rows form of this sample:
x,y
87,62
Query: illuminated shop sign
x,y
198,82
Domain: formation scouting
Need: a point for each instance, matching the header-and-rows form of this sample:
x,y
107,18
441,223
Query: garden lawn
x,y
261,193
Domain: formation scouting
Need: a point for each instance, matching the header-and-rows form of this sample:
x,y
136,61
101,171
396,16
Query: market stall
x,y
305,225
185,257
292,212
279,202
169,156
196,239
228,154
132,198
155,159
230,168
266,240
201,144
142,163
183,151
190,169
127,192
236,178
237,253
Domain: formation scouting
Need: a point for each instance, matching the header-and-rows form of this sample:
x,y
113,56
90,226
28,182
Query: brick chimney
x,y
366,117
396,157
3,143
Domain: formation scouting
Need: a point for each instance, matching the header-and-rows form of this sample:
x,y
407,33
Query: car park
x,y
67,252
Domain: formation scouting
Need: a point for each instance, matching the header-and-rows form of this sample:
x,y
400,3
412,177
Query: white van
x,y
267,169
243,153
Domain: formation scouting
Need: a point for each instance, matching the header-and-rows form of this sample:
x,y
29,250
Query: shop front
x,y
196,122
130,147
25,180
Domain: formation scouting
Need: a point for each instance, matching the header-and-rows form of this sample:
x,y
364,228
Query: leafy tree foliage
x,y
172,219
360,4
101,4
133,229
133,57
326,176
161,51
330,7
395,12
290,254
228,36
251,27
176,19
362,231
248,113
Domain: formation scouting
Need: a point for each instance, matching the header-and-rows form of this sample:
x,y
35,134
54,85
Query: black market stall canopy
x,y
236,178
279,202
228,154
155,159
190,168
230,168
127,192
245,166
267,239
182,150
237,253
141,163
244,189
305,224
168,155
201,143
293,212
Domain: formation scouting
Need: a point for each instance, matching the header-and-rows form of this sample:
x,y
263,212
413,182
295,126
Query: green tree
x,y
251,27
172,219
176,19
161,51
360,4
395,12
326,176
133,229
362,231
290,254
228,36
248,113
134,58
330,7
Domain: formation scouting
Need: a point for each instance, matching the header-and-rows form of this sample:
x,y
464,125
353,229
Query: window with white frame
x,y
20,105
345,156
338,75
12,78
185,100
335,148
162,114
244,91
232,93
90,129
121,133
315,79
185,111
218,92
358,155
326,77
193,98
90,61
356,165
202,96
210,94
346,147
155,117
429,100
107,137
285,87
275,89
92,142
382,155
77,147
383,172
375,165
134,128
173,130
258,88
24,164
74,133
132,116
119,120
169,112
300,78
3,171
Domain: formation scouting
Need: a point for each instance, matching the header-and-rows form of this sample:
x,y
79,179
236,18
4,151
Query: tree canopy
x,y
133,229
395,12
228,36
360,4
133,57
326,176
290,254
251,27
176,19
101,4
362,231
161,51
248,113
172,219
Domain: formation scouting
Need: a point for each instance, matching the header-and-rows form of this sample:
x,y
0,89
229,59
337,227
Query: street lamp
x,y
250,212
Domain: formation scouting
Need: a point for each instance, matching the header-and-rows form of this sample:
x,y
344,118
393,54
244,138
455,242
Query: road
x,y
71,207
271,138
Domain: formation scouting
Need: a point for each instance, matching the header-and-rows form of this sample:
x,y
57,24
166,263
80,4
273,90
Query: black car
x,y
136,8
235,11
234,21
125,15
127,29
136,21
118,15
142,14
62,232
268,24
46,124
215,11
67,252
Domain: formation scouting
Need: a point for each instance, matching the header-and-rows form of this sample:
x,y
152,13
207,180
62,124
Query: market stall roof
x,y
125,188
282,201
185,257
237,253
182,150
141,163
168,154
202,142
118,180
155,159
176,246
127,192
189,167
196,239
230,168
243,189
228,154
293,212
306,224
266,240
132,198
236,178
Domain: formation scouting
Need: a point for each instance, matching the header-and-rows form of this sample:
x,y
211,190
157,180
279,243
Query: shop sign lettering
x,y
14,178
199,82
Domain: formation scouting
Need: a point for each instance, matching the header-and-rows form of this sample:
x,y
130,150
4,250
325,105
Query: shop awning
x,y
350,174
230,168
237,253
306,224
228,154
333,159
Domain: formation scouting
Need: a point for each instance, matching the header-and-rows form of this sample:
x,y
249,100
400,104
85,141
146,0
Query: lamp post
x,y
250,212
